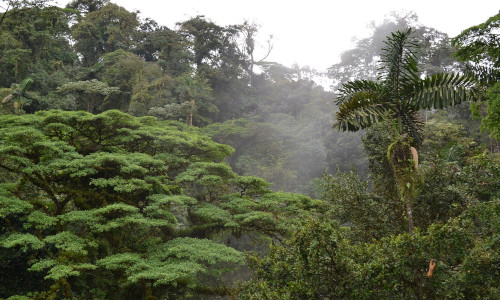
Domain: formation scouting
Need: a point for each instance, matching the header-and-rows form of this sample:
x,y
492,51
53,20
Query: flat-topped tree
x,y
398,95
90,95
118,207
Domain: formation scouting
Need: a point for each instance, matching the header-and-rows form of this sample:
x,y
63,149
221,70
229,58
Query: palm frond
x,y
444,90
398,60
19,91
25,84
484,74
360,112
369,89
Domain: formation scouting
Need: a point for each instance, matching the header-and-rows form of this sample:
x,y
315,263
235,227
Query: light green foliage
x,y
176,262
90,95
40,220
197,250
211,213
250,185
212,177
25,240
273,213
112,206
100,201
11,205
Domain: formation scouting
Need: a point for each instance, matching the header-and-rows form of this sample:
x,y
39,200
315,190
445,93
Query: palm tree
x,y
19,93
191,90
398,94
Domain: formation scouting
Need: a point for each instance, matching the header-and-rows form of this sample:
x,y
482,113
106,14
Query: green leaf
x,y
69,242
25,240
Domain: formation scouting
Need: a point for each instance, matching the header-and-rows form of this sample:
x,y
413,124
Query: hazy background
x,y
314,33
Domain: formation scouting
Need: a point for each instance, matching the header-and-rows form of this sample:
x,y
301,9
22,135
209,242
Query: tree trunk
x,y
190,114
404,162
409,214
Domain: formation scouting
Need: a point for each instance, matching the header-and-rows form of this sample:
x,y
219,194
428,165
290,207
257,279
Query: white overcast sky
x,y
315,32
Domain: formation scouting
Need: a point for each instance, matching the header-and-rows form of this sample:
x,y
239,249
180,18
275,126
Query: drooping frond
x,y
369,89
483,74
444,90
359,112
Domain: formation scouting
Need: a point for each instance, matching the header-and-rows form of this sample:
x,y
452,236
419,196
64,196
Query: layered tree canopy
x,y
139,161
92,201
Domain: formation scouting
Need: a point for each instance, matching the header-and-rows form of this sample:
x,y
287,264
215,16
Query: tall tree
x,y
249,32
126,71
104,30
112,206
479,47
167,47
398,96
193,92
218,59
35,42
11,8
87,6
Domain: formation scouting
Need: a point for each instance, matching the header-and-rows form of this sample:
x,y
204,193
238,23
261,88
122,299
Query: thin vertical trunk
x,y
403,189
409,214
251,69
400,125
190,114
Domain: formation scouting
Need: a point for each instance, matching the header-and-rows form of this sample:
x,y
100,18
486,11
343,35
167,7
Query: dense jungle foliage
x,y
139,161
